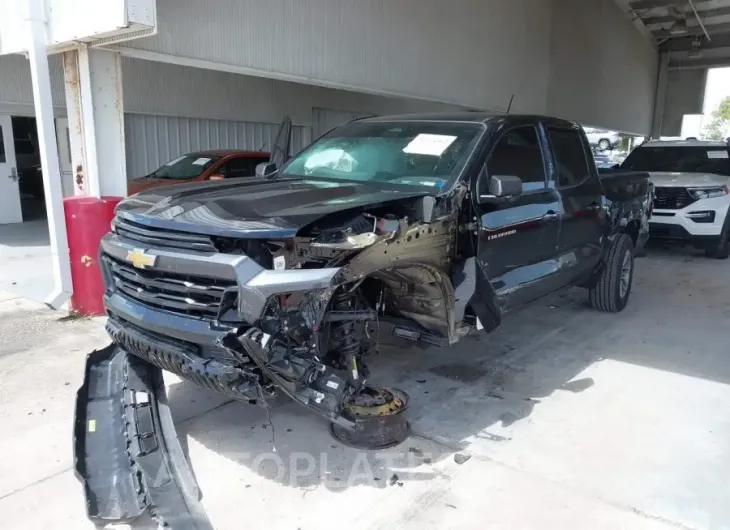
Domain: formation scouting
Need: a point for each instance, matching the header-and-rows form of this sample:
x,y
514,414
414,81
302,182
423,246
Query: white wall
x,y
579,59
603,72
469,52
158,88
171,110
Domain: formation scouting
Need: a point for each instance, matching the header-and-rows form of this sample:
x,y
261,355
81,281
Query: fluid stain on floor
x,y
468,373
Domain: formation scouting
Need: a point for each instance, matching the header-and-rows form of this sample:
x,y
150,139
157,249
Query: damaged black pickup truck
x,y
424,227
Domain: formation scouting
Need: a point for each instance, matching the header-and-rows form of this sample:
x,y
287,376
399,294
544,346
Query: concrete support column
x,y
93,81
660,95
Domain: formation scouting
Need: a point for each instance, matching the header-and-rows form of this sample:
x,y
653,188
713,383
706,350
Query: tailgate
x,y
624,185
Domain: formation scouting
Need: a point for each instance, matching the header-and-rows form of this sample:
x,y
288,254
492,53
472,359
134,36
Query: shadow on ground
x,y
469,398
27,234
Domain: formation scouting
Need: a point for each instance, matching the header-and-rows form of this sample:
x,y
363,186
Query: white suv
x,y
691,191
604,140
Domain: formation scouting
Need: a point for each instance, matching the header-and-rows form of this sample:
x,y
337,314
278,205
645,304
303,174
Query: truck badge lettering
x,y
502,234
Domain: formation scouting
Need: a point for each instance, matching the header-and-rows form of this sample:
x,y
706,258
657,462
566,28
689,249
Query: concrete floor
x,y
572,419
25,259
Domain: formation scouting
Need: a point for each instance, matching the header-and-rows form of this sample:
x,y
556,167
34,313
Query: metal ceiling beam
x,y
709,13
651,4
721,40
711,62
714,29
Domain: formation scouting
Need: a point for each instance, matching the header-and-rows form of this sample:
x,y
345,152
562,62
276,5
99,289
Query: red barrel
x,y
87,220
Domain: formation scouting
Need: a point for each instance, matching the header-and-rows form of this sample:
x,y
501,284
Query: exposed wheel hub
x,y
379,417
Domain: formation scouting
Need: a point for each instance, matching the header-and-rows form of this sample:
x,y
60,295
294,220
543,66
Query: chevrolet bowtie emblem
x,y
140,259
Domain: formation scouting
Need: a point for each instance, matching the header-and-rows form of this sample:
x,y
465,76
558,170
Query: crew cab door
x,y
518,237
576,180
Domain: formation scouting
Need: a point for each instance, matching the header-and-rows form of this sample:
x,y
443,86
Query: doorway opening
x,y
28,162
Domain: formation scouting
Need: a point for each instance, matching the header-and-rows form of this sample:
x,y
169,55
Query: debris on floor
x,y
460,458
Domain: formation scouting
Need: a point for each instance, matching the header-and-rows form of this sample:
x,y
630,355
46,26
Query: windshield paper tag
x,y
279,263
717,154
429,144
174,161
201,161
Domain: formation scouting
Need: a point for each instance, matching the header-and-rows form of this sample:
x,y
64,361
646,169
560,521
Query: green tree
x,y
718,127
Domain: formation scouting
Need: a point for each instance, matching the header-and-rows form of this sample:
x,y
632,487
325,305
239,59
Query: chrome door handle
x,y
551,216
13,174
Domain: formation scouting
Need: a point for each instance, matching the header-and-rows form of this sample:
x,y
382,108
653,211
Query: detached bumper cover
x,y
126,451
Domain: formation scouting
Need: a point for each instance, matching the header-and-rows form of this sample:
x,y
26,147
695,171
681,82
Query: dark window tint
x,y
686,159
570,156
241,167
518,154
2,147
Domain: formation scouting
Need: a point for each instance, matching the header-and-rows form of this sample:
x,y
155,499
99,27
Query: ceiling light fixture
x,y
695,52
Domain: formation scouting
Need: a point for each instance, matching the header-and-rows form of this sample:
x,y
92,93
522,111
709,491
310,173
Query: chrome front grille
x,y
672,198
148,237
181,294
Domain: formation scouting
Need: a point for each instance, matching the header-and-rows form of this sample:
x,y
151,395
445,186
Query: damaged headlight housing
x,y
708,192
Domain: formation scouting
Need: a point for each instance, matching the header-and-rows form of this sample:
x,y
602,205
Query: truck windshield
x,y
426,154
689,159
185,167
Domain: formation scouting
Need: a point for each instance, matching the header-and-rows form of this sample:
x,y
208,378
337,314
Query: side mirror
x,y
216,177
500,188
266,169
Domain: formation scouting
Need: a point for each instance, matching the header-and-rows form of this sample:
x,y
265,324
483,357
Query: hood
x,y
256,207
687,180
145,183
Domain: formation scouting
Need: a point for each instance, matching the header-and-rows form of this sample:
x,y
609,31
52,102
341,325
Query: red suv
x,y
201,166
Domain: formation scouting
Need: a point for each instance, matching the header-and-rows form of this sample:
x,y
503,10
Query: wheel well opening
x,y
632,229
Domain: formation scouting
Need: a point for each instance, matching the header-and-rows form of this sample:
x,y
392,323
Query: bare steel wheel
x,y
379,418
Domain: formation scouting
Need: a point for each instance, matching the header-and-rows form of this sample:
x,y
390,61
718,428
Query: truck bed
x,y
624,185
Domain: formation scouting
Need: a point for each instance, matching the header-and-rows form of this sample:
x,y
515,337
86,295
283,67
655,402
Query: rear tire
x,y
721,249
604,145
612,287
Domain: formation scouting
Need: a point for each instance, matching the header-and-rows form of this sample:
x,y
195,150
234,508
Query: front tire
x,y
604,145
612,287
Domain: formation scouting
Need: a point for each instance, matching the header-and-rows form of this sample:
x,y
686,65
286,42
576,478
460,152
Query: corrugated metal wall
x,y
16,88
470,52
325,119
155,140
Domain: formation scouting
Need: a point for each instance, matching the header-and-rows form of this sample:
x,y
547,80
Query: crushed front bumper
x,y
126,451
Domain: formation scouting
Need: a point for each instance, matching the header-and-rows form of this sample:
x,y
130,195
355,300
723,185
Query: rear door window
x,y
571,161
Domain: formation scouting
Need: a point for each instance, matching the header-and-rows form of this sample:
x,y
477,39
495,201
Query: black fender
x,y
473,288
